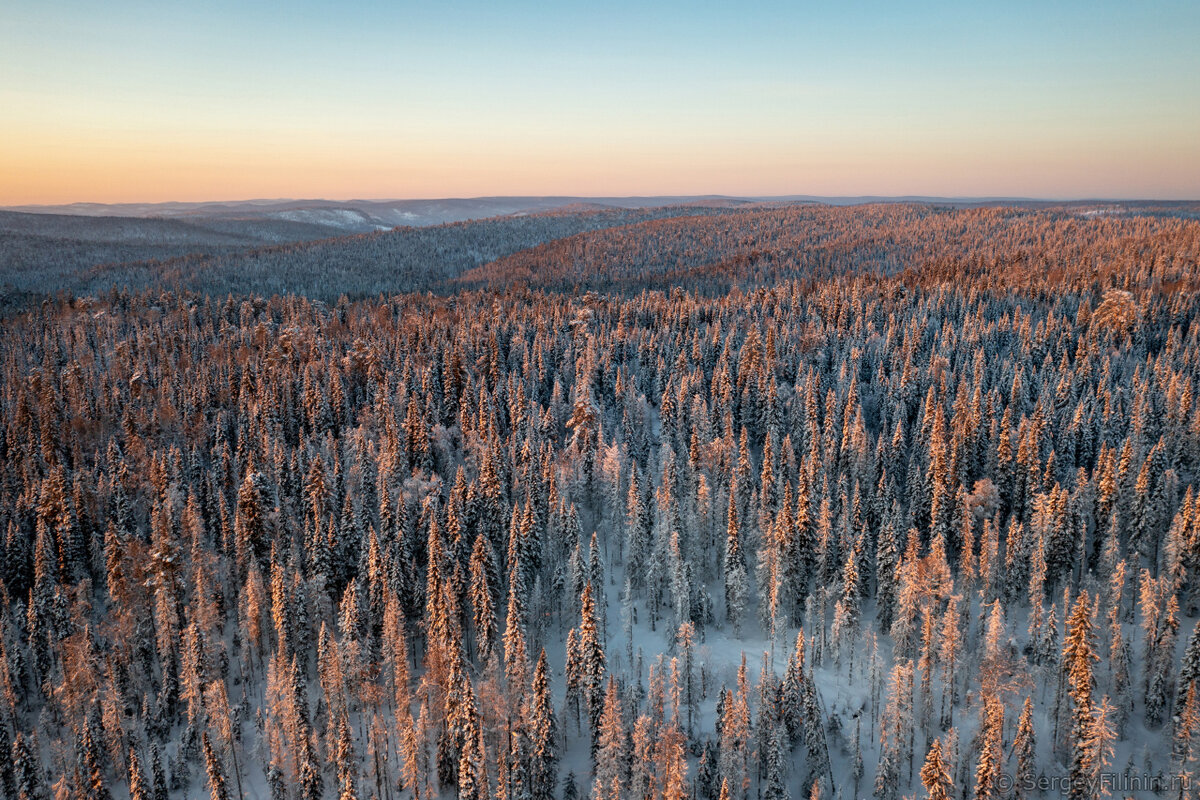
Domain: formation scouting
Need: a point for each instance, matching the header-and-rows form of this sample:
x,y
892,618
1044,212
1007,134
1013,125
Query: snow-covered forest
x,y
788,503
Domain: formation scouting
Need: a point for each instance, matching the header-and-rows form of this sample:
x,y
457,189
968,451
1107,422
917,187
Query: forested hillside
x,y
47,252
286,257
763,247
777,503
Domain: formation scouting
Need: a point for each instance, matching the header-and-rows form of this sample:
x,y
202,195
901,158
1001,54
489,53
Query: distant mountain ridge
x,y
339,217
53,252
364,216
363,248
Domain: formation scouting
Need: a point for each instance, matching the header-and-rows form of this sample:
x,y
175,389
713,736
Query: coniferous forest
x,y
718,504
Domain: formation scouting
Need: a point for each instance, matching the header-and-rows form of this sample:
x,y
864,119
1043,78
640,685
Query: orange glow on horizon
x,y
141,102
138,168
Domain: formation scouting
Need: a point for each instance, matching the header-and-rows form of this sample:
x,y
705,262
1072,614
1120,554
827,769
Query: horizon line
x,y
864,198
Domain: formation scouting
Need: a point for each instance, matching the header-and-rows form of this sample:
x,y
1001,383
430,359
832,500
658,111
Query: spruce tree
x,y
1025,751
543,728
482,597
1077,660
609,753
312,786
138,790
637,525
1189,671
215,770
158,781
26,771
776,786
847,611
591,660
935,774
737,587
988,768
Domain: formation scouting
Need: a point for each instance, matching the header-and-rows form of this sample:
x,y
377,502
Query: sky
x,y
131,101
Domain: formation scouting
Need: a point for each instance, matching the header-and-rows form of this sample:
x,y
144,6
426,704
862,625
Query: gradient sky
x,y
130,101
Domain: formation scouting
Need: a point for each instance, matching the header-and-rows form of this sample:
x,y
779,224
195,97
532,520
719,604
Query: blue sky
x,y
132,101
